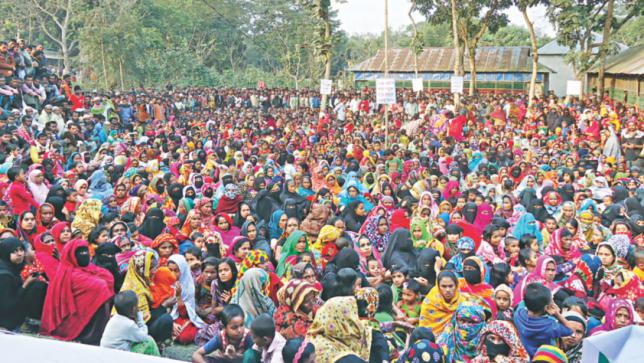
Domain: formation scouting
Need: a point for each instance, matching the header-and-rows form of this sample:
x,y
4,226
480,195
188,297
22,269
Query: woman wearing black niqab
x,y
105,257
153,224
469,212
400,251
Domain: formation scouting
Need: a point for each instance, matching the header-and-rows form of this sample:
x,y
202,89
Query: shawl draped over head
x,y
338,331
74,295
538,275
137,279
252,294
327,234
506,331
187,291
400,251
379,241
292,322
436,312
87,216
462,339
288,250
611,315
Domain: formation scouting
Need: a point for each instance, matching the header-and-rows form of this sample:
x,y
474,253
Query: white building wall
x,y
557,81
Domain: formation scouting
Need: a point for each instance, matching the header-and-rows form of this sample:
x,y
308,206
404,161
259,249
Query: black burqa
x,y
400,251
153,224
469,212
105,257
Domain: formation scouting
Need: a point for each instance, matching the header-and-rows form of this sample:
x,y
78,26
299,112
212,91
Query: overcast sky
x,y
367,16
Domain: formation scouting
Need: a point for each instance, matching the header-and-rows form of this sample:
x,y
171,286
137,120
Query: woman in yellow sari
x,y
138,279
441,302
337,331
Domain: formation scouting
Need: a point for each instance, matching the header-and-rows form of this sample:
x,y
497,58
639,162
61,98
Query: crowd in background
x,y
262,228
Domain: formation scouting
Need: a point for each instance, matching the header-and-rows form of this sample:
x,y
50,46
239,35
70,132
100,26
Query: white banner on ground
x,y
573,88
417,84
385,91
457,84
325,86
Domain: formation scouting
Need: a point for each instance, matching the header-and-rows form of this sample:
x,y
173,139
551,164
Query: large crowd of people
x,y
261,228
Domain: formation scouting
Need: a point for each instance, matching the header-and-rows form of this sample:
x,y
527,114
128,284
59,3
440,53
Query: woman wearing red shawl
x,y
193,223
224,225
77,306
627,286
544,272
27,228
229,202
204,207
62,232
297,305
451,190
45,217
473,283
120,192
561,244
592,131
456,127
399,219
47,254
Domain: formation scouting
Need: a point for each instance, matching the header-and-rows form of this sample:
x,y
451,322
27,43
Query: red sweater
x,y
21,198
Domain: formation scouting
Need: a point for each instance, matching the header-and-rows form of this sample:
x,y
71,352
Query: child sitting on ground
x,y
398,278
127,330
503,297
409,303
231,341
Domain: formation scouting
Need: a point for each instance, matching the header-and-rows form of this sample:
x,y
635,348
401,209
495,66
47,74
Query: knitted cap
x,y
549,354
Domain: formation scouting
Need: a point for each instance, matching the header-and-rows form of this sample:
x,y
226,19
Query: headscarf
x,y
555,247
462,340
99,188
74,295
506,331
252,294
338,331
137,279
435,311
187,291
290,321
87,216
484,215
400,251
425,238
105,257
39,191
289,250
527,224
379,241
327,234
538,275
611,315
274,231
370,297
153,224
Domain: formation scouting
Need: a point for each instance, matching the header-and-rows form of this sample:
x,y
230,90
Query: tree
x,y
416,41
578,21
65,16
471,19
523,6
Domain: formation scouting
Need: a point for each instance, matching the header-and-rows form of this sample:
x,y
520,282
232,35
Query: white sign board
x,y
385,91
457,84
417,84
573,88
325,86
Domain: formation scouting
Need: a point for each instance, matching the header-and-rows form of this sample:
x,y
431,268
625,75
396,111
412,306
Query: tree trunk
x,y
458,52
608,23
327,60
471,56
121,73
414,43
535,55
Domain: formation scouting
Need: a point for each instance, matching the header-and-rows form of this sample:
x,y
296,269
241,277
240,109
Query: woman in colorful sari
x,y
138,279
463,333
296,244
500,339
252,295
337,332
441,302
87,216
224,225
612,254
618,315
297,305
474,274
562,244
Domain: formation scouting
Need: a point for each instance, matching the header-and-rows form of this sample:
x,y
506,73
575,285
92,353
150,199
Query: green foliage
x,y
512,35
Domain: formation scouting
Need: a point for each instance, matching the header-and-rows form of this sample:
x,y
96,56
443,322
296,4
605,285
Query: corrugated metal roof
x,y
630,61
488,59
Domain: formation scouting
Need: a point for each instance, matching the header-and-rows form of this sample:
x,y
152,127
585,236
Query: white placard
x,y
573,88
457,84
385,91
325,86
417,84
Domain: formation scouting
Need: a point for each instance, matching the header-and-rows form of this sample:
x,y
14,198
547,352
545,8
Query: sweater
x,y
536,331
21,198
121,332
